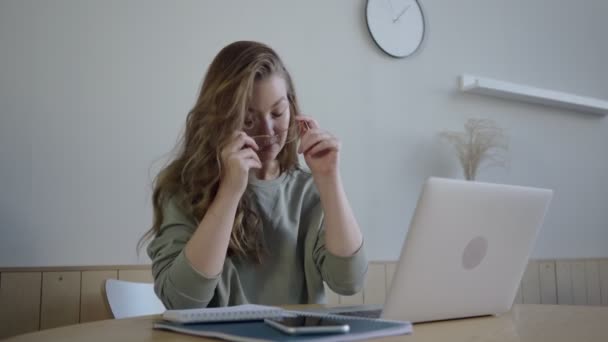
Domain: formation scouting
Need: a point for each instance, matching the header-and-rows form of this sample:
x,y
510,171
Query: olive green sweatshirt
x,y
292,272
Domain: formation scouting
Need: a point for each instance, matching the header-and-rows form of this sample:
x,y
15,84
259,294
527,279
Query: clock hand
x,y
402,13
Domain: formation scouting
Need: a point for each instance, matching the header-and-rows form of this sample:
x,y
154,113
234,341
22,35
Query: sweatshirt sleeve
x,y
176,282
344,275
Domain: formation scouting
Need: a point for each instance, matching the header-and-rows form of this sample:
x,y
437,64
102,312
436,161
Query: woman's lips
x,y
267,142
265,148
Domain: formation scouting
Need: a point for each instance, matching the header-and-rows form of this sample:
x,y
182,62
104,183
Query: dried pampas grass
x,y
482,142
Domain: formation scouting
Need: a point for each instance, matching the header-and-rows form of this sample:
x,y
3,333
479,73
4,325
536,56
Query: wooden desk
x,y
525,322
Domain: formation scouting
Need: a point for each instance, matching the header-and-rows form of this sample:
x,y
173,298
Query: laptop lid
x,y
466,250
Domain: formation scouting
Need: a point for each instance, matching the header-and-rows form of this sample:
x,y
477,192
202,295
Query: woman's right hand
x,y
237,158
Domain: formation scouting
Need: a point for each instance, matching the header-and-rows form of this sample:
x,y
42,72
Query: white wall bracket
x,y
519,92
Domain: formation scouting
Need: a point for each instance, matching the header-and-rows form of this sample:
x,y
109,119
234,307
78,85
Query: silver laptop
x,y
465,252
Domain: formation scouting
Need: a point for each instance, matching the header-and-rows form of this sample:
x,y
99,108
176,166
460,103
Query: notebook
x,y
246,312
258,331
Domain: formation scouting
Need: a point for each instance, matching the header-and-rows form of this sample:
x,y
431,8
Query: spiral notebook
x,y
236,313
258,331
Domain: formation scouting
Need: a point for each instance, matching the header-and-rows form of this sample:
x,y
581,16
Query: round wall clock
x,y
397,26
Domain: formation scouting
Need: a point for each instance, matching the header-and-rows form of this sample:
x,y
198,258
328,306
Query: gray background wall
x,y
93,95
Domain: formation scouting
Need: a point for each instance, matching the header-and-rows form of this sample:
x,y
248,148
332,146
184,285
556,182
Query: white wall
x,y
94,93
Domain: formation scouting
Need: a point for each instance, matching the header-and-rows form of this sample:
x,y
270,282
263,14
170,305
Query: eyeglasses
x,y
293,133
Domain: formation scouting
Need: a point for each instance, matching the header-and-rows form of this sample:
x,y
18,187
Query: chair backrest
x,y
130,299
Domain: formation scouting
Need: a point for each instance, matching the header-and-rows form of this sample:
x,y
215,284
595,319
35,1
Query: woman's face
x,y
267,118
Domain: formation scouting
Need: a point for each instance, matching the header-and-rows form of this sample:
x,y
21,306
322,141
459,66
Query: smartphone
x,y
302,325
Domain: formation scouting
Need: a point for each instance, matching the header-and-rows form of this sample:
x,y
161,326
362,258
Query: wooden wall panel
x,y
548,283
375,284
93,304
31,298
592,280
564,282
604,281
390,273
579,283
19,302
60,299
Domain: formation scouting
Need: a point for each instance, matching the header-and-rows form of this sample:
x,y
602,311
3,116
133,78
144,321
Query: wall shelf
x,y
519,92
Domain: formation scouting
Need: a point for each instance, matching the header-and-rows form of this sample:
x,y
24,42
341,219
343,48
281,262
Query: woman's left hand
x,y
320,148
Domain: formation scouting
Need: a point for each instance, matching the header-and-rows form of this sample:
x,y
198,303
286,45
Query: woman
x,y
236,220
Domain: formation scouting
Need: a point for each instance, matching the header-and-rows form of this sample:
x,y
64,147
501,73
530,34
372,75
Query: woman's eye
x,y
276,115
248,123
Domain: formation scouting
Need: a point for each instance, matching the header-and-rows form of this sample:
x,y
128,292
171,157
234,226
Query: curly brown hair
x,y
194,175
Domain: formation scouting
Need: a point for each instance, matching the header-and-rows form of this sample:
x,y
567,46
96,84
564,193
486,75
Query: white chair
x,y
130,299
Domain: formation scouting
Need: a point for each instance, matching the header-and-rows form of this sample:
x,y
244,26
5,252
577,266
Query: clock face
x,y
397,26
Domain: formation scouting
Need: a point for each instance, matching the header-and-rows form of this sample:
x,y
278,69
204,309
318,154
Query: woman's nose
x,y
266,126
